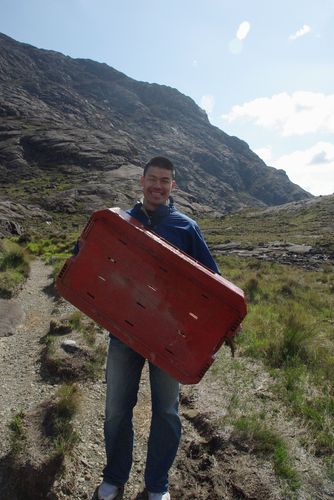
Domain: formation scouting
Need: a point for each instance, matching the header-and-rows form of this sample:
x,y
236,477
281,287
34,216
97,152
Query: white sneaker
x,y
107,491
159,496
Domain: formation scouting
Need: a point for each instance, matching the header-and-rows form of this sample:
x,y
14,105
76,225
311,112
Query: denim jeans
x,y
124,368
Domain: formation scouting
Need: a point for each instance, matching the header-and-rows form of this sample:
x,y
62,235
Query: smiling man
x,y
156,212
157,183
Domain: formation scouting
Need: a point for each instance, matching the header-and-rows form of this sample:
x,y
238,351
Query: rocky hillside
x,y
74,135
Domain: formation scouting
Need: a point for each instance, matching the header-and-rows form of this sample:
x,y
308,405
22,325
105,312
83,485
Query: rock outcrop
x,y
74,135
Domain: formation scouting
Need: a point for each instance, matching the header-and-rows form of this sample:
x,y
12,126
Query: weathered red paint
x,y
153,297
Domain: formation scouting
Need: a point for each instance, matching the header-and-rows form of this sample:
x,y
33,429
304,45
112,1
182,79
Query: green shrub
x,y
12,256
14,267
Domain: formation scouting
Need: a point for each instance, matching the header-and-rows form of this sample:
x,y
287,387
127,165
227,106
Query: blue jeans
x,y
124,368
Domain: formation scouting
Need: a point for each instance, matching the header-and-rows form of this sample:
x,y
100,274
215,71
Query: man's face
x,y
157,185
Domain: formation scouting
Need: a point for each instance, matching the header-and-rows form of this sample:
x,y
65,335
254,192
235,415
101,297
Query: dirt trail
x,y
210,465
21,386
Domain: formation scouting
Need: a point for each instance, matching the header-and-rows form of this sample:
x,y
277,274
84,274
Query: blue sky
x,y
263,70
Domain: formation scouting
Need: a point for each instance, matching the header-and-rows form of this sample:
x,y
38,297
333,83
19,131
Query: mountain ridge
x,y
84,124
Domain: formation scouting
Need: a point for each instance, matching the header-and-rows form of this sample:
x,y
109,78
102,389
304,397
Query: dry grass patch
x,y
74,349
41,438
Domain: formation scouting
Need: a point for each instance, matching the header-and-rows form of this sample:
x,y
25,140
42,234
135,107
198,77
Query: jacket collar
x,y
160,211
153,218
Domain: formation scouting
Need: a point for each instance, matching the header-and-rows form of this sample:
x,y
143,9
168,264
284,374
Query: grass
x,y
290,313
309,223
90,358
14,267
59,422
75,319
67,404
289,327
18,435
85,326
89,331
54,249
54,239
263,440
54,246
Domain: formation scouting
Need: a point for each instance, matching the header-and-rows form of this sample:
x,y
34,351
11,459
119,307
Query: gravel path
x,y
21,386
84,470
23,322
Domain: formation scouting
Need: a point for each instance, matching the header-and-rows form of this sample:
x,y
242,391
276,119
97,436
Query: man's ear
x,y
173,184
142,180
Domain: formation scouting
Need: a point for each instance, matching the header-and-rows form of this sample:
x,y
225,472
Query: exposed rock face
x,y
88,129
13,216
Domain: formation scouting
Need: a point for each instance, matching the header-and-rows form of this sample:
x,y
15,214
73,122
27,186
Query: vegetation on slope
x,y
290,318
290,327
81,361
309,222
14,267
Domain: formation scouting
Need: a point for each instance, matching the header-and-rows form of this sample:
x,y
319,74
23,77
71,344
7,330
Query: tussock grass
x,y
87,361
75,320
64,436
17,432
290,327
14,266
52,422
50,248
54,250
85,326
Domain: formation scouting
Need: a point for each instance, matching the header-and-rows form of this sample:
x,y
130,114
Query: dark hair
x,y
161,162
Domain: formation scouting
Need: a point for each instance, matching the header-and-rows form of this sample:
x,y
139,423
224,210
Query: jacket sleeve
x,y
200,250
75,249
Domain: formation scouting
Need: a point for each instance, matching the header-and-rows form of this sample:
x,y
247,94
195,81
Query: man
x,y
124,366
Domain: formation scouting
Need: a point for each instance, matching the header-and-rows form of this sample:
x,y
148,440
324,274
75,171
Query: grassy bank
x,y
289,327
54,249
14,267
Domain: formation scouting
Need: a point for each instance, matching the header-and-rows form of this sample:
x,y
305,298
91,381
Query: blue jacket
x,y
178,229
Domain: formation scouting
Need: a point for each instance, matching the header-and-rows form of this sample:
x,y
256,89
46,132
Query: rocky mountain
x,y
75,134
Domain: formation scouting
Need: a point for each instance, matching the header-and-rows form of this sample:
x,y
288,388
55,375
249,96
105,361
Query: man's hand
x,y
229,339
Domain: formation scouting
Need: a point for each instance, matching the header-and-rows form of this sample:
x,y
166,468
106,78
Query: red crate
x,y
155,298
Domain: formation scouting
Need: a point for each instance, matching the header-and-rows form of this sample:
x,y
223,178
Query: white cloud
x,y
236,44
301,32
299,113
243,30
207,103
312,169
195,63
